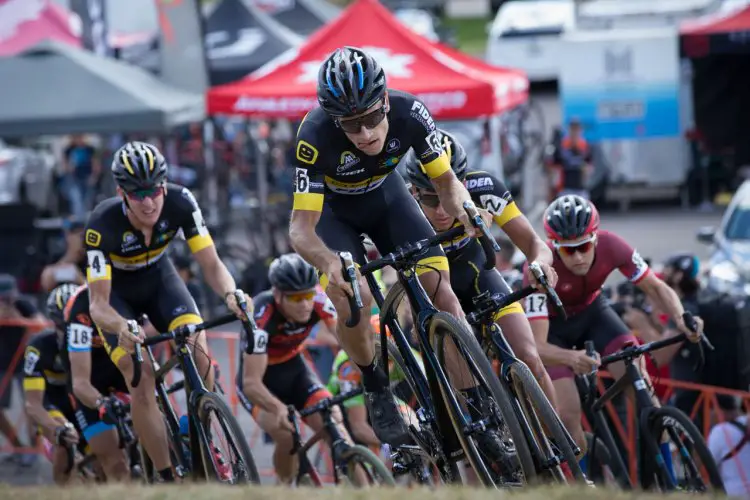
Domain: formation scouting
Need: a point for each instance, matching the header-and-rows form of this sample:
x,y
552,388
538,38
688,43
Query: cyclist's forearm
x,y
39,416
552,355
308,244
219,279
85,392
107,318
452,193
538,251
665,299
259,395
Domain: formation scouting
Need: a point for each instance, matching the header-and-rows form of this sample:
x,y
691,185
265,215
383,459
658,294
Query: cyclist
x,y
584,256
345,376
466,257
273,371
45,387
128,275
348,189
94,380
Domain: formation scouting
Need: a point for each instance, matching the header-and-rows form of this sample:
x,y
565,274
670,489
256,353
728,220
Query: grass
x,y
471,34
215,492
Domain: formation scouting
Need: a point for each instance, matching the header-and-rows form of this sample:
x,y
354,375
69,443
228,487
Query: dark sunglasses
x,y
581,247
142,194
428,200
369,121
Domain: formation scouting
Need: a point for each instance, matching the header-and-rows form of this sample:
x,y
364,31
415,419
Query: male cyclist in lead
x,y
346,151
128,275
584,256
273,372
466,257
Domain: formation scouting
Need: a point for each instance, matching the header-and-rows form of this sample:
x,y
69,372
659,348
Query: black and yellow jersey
x,y
490,193
113,245
43,364
327,162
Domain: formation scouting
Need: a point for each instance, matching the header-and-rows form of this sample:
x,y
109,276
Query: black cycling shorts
x,y
389,215
598,322
469,278
294,382
159,293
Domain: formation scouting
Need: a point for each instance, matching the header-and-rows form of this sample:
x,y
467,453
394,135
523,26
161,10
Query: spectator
x,y
81,172
13,309
71,268
729,445
572,159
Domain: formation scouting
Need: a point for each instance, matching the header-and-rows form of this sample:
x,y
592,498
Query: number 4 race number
x,y
97,264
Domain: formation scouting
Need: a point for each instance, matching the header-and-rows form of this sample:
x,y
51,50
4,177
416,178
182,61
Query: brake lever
x,y
350,274
536,270
692,325
478,222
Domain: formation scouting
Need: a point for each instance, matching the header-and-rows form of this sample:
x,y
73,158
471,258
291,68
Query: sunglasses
x,y
573,248
428,200
142,194
299,297
369,121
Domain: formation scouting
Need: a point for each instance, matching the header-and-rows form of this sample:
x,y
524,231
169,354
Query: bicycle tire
x,y
442,323
657,425
599,461
525,381
359,454
211,401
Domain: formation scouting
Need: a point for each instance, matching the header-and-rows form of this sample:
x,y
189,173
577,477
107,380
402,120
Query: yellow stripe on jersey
x,y
509,213
34,384
107,276
199,242
308,201
140,259
438,166
338,186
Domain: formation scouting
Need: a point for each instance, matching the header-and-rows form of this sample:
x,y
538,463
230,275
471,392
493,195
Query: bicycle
x,y
654,423
445,434
345,457
199,458
549,442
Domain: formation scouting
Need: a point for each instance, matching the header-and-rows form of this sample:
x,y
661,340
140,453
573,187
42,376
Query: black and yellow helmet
x,y
139,165
57,300
456,154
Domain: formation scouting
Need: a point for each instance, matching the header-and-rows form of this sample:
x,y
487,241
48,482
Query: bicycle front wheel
x,y
364,468
538,409
491,436
235,464
694,468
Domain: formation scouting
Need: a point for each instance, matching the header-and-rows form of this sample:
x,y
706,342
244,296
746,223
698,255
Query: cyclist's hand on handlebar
x,y
469,228
693,336
66,435
581,363
131,335
335,273
231,301
487,216
281,416
549,273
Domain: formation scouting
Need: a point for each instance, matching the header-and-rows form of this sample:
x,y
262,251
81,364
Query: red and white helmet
x,y
570,217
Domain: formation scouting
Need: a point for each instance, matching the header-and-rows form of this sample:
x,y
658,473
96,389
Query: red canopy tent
x,y
25,23
726,33
453,85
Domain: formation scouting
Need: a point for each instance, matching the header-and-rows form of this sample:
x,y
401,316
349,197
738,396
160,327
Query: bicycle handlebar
x,y
407,252
180,334
538,273
330,402
635,351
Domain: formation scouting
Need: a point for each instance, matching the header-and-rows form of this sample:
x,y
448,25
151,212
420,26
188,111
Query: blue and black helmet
x,y
349,82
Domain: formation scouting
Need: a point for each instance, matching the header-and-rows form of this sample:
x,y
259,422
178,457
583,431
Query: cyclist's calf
x,y
569,409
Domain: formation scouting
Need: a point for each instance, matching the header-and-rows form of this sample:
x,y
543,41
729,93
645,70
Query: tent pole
x,y
495,146
211,190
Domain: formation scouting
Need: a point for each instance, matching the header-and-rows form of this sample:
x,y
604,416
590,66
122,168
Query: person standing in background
x,y
729,443
71,267
573,161
81,172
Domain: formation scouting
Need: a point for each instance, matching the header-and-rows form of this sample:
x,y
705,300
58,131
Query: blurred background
x,y
642,105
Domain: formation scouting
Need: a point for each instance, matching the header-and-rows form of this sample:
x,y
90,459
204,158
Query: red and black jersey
x,y
285,338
